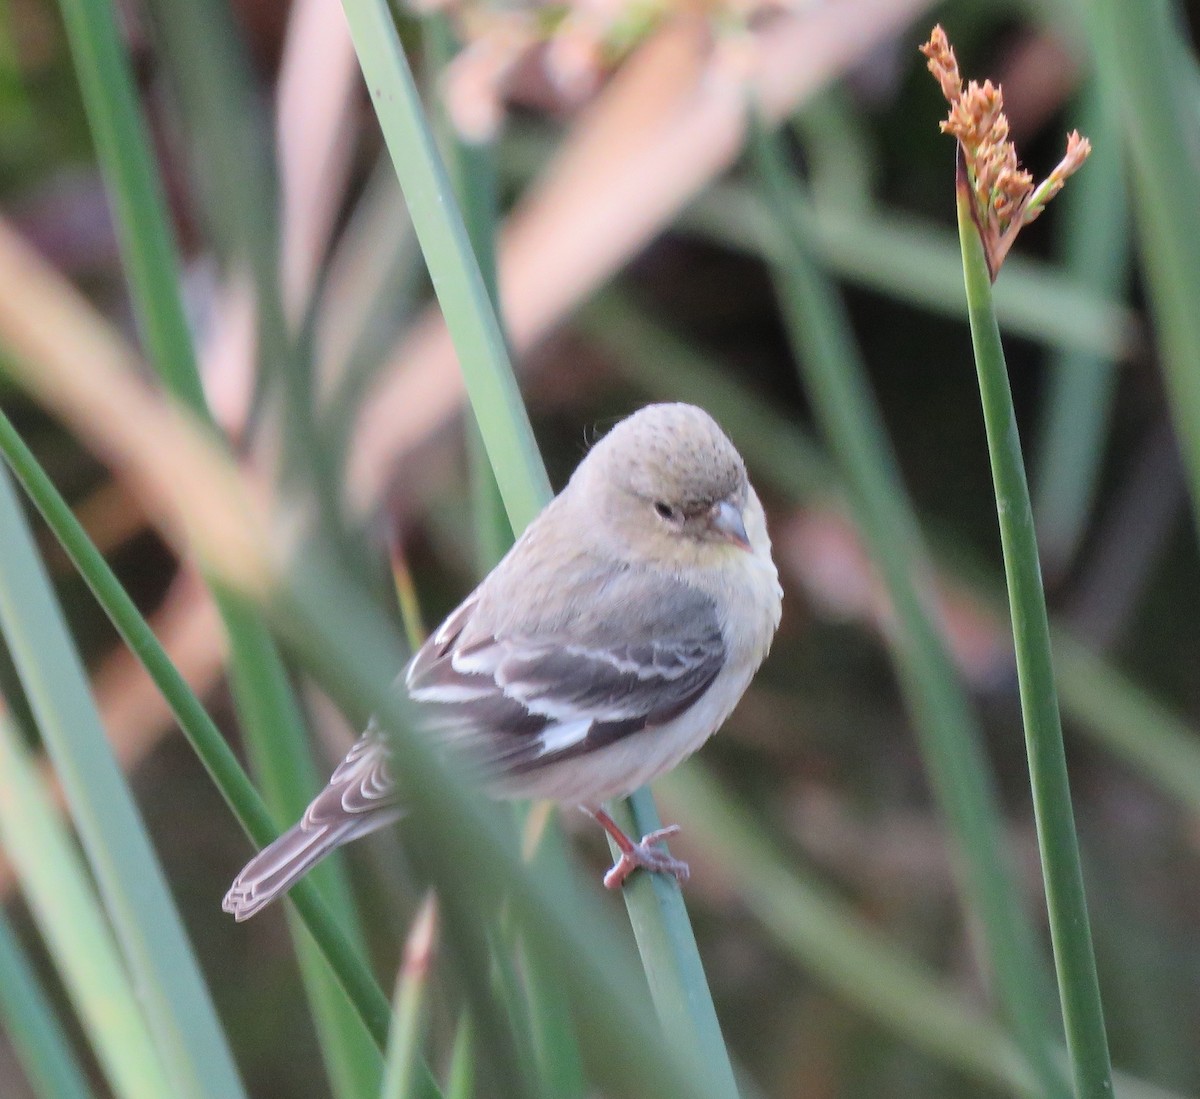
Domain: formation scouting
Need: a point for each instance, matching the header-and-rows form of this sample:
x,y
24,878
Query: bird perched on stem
x,y
611,641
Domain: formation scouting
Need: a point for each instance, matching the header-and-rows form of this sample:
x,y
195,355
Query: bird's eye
x,y
664,510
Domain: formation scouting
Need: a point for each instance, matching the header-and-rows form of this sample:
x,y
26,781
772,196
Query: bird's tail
x,y
276,868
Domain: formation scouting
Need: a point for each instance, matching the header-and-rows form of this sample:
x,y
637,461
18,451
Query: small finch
x,y
612,641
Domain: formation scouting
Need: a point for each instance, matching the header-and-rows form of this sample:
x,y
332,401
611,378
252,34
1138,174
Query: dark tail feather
x,y
275,869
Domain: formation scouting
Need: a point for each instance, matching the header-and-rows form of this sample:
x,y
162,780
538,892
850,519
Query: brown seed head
x,y
1002,192
943,64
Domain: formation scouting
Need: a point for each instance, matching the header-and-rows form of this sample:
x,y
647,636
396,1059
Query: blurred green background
x,y
637,259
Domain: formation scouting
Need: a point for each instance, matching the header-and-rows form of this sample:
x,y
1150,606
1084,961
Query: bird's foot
x,y
648,857
642,854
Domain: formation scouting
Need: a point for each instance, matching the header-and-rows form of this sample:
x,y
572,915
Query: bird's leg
x,y
643,853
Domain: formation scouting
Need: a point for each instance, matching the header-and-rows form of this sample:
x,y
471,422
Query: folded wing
x,y
514,700
511,700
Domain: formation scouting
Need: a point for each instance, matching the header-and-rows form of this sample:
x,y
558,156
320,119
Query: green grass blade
x,y
135,191
401,1078
828,937
1070,931
468,917
1129,721
553,1034
678,985
343,957
838,149
460,1082
369,293
668,948
126,868
230,149
31,1024
1094,244
950,738
245,222
461,290
280,756
503,422
471,167
72,922
534,1005
512,993
210,746
1142,51
918,262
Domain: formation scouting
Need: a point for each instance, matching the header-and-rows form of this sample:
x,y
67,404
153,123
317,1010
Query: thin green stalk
x,y
510,995
493,534
502,418
344,960
1070,932
150,260
135,191
234,150
71,920
951,741
127,870
471,167
230,150
1125,719
535,1005
460,287
401,1077
829,938
839,149
460,1081
468,916
209,745
232,146
281,758
668,948
554,1039
31,1024
553,1034
369,293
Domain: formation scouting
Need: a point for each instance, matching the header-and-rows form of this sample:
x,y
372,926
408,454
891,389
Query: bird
x,y
610,642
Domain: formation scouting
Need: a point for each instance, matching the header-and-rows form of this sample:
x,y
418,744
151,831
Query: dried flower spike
x,y
1003,197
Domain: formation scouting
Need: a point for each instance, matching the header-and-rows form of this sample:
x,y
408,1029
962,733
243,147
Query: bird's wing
x,y
630,657
360,784
626,656
360,798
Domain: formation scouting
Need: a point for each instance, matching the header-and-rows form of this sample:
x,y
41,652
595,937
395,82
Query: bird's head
x,y
668,484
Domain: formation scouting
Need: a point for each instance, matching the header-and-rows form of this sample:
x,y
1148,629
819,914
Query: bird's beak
x,y
726,520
